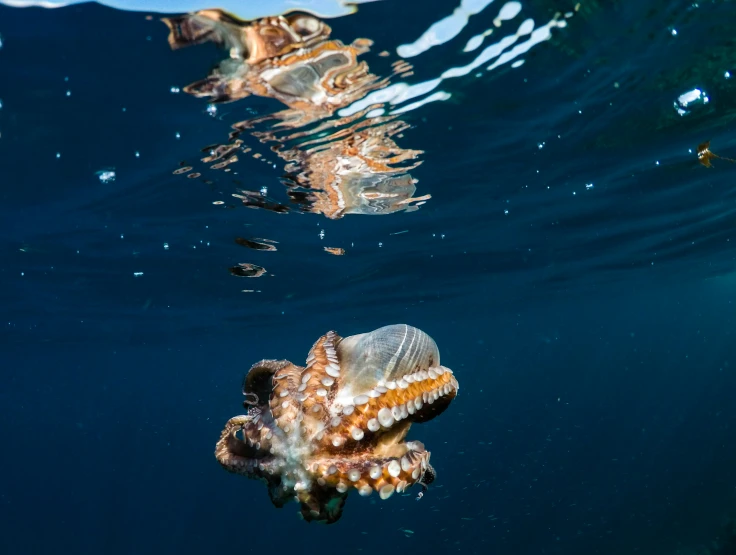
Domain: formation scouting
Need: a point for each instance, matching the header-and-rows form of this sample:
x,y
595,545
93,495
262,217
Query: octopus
x,y
315,433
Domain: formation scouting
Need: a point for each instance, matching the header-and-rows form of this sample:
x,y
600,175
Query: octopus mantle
x,y
313,433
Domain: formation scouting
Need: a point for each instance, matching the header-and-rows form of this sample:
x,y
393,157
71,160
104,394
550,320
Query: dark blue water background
x,y
591,329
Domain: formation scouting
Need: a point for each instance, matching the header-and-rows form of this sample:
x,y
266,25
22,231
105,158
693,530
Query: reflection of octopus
x,y
313,433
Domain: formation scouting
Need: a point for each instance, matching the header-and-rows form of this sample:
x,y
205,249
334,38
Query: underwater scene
x,y
375,277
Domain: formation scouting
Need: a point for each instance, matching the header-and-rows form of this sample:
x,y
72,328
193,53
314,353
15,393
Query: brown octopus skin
x,y
294,414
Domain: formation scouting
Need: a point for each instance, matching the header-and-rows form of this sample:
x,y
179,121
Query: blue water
x,y
575,265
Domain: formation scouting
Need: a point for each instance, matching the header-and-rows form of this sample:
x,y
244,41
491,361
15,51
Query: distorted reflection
x,y
334,165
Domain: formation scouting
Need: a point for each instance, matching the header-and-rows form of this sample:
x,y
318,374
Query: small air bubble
x,y
166,246
58,155
727,75
506,212
264,190
137,154
174,90
540,146
178,135
674,32
106,176
68,93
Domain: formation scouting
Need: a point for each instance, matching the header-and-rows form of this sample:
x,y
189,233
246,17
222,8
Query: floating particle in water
x,y
540,146
506,212
212,110
727,75
137,154
1,104
264,190
68,93
166,246
705,155
693,97
1,41
674,32
259,245
58,155
588,185
218,202
137,274
321,233
175,90
245,269
180,171
178,135
106,176
335,250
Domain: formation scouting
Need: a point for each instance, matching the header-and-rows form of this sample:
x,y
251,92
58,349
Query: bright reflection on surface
x,y
245,9
505,50
445,29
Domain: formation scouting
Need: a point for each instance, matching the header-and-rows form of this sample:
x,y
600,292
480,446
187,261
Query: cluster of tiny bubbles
x,y
106,176
690,98
212,110
175,90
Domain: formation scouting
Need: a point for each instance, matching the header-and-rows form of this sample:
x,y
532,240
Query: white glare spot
x,y
137,274
674,32
166,246
212,110
174,90
178,135
517,63
688,98
727,75
106,176
588,185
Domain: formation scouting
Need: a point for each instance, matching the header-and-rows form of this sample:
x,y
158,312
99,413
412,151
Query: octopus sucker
x,y
315,433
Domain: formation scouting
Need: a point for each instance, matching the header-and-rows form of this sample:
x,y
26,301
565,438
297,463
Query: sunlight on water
x,y
503,51
246,10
